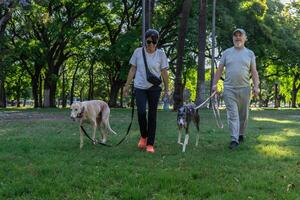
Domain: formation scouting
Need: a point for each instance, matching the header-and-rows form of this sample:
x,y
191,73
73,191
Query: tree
x,y
201,55
178,93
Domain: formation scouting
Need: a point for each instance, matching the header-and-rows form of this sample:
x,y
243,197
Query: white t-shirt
x,y
238,64
156,62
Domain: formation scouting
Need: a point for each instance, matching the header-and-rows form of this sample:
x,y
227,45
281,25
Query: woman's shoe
x,y
142,143
150,149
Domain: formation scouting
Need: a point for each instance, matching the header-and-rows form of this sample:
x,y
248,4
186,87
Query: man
x,y
240,64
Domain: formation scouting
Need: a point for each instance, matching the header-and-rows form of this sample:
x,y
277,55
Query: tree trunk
x,y
121,98
178,93
2,94
113,95
40,91
81,93
295,90
63,92
91,82
200,91
34,85
147,14
276,98
50,90
73,84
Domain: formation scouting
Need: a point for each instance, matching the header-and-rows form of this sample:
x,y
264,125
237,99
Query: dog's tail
x,y
110,129
104,115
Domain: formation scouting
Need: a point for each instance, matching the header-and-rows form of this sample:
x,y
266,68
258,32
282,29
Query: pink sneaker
x,y
150,149
142,143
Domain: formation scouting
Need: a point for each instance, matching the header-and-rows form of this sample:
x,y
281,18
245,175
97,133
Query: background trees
x,y
53,51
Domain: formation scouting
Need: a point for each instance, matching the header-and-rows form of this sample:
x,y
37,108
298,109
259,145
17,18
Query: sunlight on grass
x,y
264,119
272,138
274,151
291,132
4,131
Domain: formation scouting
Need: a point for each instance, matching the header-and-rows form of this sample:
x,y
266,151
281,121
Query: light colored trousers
x,y
237,101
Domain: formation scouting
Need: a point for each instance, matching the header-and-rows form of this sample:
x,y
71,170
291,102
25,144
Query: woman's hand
x,y
129,79
167,93
125,90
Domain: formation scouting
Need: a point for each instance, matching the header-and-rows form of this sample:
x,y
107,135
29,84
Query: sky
x,y
285,1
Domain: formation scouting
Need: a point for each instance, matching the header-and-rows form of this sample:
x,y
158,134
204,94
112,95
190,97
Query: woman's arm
x,y
130,76
165,76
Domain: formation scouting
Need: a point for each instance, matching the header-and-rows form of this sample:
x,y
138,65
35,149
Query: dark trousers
x,y
147,127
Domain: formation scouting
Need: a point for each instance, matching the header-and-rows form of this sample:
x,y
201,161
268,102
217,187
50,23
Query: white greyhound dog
x,y
96,112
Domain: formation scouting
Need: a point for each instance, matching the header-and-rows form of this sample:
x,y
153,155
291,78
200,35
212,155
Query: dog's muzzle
x,y
181,123
79,115
73,118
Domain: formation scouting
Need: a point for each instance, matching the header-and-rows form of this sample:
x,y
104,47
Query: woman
x,y
146,92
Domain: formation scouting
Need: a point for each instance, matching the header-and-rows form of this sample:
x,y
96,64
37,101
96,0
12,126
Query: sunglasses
x,y
149,42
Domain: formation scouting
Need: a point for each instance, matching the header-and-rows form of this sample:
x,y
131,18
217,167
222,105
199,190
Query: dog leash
x,y
213,94
217,112
128,129
215,109
87,135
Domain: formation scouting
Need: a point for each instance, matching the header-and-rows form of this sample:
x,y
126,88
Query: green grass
x,y
40,159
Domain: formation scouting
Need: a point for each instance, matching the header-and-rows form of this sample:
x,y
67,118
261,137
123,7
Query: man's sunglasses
x,y
149,42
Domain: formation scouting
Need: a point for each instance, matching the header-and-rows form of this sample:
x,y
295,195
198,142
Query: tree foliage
x,y
67,49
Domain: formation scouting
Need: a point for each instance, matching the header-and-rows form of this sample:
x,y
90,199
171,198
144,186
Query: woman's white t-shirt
x,y
156,62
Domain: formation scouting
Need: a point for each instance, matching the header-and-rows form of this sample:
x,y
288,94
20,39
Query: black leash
x,y
128,129
87,135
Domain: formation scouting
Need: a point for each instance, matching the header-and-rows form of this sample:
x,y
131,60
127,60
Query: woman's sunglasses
x,y
149,42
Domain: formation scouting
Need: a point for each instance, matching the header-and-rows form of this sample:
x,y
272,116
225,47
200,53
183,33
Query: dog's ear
x,y
82,108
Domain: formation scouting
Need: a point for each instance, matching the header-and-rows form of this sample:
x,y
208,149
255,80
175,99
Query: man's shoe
x,y
233,145
241,139
150,149
142,143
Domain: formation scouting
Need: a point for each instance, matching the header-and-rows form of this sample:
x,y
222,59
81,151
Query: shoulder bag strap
x,y
145,61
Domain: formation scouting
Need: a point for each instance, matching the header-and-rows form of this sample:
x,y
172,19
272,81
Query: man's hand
x,y
215,88
255,92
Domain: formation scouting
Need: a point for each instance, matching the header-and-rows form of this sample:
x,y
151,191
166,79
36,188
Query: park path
x,y
31,115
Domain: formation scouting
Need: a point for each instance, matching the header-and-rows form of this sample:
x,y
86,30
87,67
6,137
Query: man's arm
x,y
217,77
255,79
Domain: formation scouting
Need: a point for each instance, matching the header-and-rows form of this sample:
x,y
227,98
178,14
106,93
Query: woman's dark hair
x,y
153,34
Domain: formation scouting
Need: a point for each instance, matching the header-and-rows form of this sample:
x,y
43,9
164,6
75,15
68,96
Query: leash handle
x,y
132,114
217,113
213,94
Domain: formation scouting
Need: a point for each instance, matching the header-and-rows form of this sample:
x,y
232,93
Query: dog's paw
x,y
95,141
103,141
180,143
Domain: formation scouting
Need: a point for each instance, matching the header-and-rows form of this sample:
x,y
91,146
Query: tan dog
x,y
96,112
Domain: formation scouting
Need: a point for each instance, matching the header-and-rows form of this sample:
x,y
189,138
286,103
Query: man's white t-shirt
x,y
156,62
238,64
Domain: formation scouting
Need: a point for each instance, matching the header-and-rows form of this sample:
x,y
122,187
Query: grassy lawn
x,y
40,159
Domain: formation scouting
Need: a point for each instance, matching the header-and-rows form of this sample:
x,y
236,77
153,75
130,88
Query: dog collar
x,y
80,115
